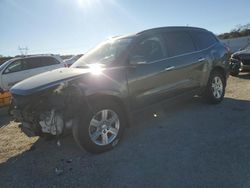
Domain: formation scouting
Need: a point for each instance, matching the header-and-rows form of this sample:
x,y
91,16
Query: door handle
x,y
169,68
201,59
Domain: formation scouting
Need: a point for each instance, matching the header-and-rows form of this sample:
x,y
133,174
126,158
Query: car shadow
x,y
156,115
188,133
244,76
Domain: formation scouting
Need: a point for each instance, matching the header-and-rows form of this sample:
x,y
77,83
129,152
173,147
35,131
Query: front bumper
x,y
30,129
235,65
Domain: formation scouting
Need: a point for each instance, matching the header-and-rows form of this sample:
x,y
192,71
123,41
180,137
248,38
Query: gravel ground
x,y
189,144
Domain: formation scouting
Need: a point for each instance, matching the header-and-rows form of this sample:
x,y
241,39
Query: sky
x,y
75,26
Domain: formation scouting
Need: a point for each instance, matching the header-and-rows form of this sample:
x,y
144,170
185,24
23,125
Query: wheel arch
x,y
107,97
220,70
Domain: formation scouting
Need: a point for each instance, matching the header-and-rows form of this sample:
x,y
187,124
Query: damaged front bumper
x,y
51,112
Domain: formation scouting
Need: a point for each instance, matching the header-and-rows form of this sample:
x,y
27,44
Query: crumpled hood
x,y
46,80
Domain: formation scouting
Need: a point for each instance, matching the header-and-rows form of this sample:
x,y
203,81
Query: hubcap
x,y
217,87
104,127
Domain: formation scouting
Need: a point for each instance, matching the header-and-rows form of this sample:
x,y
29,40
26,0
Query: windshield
x,y
2,66
105,53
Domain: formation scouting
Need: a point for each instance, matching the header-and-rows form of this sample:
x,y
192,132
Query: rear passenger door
x,y
183,60
34,65
205,41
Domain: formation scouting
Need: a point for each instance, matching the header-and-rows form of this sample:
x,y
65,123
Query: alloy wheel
x,y
104,127
217,87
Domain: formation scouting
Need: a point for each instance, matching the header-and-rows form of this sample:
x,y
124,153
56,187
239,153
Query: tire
x,y
215,89
99,123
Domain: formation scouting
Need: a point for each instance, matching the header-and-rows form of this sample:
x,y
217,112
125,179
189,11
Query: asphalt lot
x,y
189,144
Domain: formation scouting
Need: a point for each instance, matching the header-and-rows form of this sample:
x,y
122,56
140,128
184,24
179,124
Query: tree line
x,y
238,31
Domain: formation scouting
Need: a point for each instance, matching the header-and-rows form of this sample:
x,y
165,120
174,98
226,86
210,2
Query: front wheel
x,y
102,129
215,89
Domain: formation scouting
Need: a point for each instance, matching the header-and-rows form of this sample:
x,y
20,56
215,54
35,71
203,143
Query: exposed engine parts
x,y
52,112
51,122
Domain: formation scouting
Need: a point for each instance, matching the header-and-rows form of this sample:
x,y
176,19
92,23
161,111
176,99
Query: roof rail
x,y
169,28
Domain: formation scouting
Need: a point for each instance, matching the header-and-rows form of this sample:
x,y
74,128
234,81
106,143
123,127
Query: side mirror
x,y
137,60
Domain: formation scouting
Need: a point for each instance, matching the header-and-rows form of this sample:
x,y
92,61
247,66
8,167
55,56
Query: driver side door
x,y
145,71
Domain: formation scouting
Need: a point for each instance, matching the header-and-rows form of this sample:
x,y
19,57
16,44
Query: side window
x,y
32,63
36,62
203,39
15,66
150,49
47,61
179,43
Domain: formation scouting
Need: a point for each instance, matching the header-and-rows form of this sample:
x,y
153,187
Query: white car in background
x,y
18,69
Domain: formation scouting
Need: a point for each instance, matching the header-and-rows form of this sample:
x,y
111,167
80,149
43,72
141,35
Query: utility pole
x,y
23,50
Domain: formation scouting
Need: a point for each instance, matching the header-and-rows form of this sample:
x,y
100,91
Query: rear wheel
x,y
215,89
102,129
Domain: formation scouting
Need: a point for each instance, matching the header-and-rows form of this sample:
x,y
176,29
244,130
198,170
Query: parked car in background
x,y
18,69
72,60
240,61
96,96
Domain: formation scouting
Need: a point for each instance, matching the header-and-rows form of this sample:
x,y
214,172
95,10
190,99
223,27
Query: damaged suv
x,y
96,96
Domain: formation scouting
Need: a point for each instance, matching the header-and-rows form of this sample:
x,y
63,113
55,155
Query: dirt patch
x,y
13,141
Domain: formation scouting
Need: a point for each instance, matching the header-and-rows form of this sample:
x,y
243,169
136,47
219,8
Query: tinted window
x,y
203,39
151,49
14,67
36,62
46,61
179,43
31,63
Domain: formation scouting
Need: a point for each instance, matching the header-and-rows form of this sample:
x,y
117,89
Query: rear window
x,y
179,43
203,39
